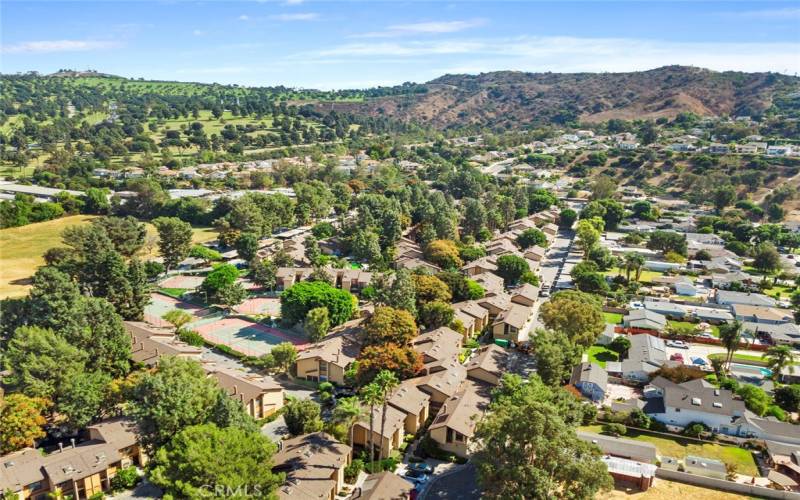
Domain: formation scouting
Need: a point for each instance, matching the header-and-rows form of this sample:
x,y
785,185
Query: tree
x,y
668,241
603,187
436,314
786,396
388,324
723,196
203,460
779,358
620,345
430,288
460,287
83,398
174,240
41,362
511,268
177,318
400,293
284,356
21,421
444,254
347,412
531,237
729,335
766,258
300,298
755,399
634,262
139,298
404,361
302,416
222,276
614,213
387,381
474,216
371,396
582,320
177,395
643,210
567,218
317,324
588,236
204,253
527,446
231,295
126,233
365,246
602,256
555,356
263,272
312,251
638,418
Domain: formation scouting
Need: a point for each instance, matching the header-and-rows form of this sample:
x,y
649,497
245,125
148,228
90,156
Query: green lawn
x,y
714,328
740,358
779,291
173,292
679,448
645,277
612,318
600,355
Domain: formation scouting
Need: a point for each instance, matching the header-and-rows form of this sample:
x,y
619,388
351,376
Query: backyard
x,y
645,277
679,448
612,318
601,355
687,324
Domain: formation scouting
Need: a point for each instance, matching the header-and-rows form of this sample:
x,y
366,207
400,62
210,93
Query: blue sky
x,y
360,44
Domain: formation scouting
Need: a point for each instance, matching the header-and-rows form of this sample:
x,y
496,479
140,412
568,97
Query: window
x,y
460,437
449,435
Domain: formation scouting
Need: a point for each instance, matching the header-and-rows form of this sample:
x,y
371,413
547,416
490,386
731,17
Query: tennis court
x,y
186,282
247,337
161,304
260,305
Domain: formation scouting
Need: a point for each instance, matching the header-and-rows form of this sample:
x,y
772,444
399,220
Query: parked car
x,y
421,467
678,344
417,477
706,335
636,305
676,357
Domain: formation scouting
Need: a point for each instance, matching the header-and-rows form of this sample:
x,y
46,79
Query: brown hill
x,y
511,99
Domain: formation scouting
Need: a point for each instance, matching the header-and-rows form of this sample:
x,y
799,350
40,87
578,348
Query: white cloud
x,y
303,16
429,27
48,46
293,2
574,54
244,17
199,33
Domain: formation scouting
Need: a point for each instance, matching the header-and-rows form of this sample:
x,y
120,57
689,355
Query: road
x,y
551,268
461,484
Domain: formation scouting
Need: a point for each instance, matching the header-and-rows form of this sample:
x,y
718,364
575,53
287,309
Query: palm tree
x,y
779,357
348,411
633,262
371,394
387,381
729,335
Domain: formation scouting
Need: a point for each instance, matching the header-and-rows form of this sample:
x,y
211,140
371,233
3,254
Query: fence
x,y
721,484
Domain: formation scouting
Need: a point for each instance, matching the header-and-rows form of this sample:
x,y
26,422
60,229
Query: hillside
x,y
510,99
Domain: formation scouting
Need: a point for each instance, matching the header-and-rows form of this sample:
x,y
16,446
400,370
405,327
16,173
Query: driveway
x,y
461,483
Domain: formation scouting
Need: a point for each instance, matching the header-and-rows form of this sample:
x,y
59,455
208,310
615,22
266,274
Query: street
x,y
551,268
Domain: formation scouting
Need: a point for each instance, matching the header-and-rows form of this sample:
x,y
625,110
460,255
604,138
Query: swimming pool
x,y
751,369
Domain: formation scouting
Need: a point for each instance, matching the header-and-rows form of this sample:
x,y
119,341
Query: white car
x,y
678,344
636,305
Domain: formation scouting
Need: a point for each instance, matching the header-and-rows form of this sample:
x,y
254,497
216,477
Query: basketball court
x,y
247,337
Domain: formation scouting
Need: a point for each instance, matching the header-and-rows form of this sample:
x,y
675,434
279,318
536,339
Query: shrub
x,y
125,479
191,337
351,471
637,418
695,429
615,429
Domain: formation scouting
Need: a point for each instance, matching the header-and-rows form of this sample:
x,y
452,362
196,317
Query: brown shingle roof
x,y
462,411
385,486
340,347
491,358
516,315
408,398
310,461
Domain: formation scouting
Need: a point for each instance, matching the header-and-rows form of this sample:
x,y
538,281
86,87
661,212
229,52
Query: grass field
x,y
741,358
645,277
612,318
600,355
22,248
680,448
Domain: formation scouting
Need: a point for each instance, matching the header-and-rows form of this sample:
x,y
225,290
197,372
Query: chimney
x,y
72,440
